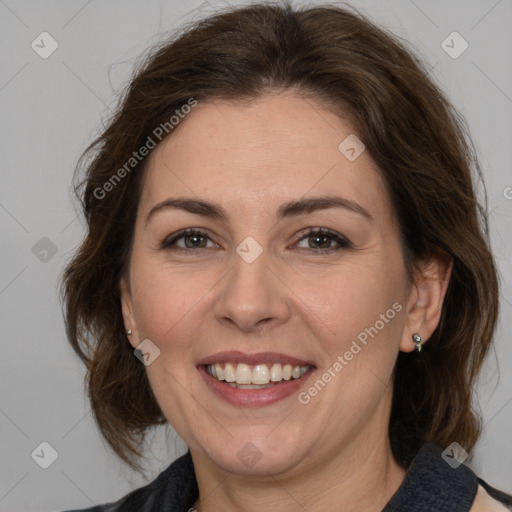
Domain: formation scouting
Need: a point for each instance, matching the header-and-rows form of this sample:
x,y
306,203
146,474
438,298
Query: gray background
x,y
52,108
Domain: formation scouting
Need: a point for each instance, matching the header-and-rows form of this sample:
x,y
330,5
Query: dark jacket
x,y
430,484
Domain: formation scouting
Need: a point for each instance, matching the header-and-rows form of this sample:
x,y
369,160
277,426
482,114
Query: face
x,y
261,250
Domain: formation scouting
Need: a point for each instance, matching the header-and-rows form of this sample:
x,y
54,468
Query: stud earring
x,y
417,339
129,331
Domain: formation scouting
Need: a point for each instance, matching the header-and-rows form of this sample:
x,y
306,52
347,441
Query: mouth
x,y
260,376
254,380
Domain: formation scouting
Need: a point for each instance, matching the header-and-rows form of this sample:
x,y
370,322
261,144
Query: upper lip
x,y
234,356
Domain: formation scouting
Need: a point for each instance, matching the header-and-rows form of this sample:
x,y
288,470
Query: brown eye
x,y
188,239
194,241
321,240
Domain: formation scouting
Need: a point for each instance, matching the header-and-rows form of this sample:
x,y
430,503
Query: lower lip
x,y
252,397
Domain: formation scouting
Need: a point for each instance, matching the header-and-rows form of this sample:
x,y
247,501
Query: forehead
x,y
276,148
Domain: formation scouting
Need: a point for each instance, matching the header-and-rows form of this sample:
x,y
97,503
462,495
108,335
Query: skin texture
x,y
293,299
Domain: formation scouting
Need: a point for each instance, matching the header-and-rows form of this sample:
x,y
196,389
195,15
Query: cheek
x,y
169,304
361,316
352,300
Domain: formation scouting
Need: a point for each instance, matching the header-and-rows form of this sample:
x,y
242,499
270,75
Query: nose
x,y
252,297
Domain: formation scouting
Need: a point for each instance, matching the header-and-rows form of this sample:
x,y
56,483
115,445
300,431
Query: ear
x,y
127,309
426,297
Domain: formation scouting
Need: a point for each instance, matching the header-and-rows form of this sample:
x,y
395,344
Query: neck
x,y
361,475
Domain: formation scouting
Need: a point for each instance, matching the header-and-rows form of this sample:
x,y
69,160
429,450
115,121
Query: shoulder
x,y
174,489
485,503
135,500
437,482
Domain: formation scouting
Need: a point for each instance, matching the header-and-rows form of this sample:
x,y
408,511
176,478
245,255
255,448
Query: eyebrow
x,y
290,209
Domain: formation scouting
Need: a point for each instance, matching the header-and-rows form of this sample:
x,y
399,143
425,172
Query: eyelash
x,y
342,242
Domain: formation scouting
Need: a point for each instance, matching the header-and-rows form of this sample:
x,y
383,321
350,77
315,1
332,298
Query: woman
x,y
282,229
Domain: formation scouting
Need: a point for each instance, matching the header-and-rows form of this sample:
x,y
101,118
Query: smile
x,y
254,380
260,376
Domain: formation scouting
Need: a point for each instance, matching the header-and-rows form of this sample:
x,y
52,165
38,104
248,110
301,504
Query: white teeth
x,y
249,386
276,373
218,372
243,374
229,372
287,371
260,376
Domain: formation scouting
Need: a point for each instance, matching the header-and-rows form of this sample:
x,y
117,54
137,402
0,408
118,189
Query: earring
x,y
129,331
417,339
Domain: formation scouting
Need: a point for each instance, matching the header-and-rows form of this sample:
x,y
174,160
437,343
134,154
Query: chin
x,y
258,454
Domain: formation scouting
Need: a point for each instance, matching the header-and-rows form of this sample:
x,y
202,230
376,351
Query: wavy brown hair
x,y
421,147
